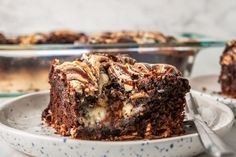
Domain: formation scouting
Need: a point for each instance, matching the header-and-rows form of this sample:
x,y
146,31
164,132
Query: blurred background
x,y
215,18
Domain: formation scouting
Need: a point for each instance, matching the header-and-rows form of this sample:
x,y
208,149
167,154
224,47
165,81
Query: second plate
x,y
209,86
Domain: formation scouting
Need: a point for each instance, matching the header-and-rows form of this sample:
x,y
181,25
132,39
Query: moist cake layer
x,y
106,97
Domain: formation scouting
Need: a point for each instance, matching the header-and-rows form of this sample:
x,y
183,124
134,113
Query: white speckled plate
x,y
22,129
212,86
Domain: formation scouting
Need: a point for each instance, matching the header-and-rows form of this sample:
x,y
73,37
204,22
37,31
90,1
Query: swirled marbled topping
x,y
94,71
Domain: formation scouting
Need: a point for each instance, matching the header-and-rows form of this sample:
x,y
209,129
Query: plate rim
x,y
218,97
9,129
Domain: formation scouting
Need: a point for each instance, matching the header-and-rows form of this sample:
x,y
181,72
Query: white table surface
x,y
206,63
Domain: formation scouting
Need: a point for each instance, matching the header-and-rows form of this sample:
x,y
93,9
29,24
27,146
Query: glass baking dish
x,y
24,68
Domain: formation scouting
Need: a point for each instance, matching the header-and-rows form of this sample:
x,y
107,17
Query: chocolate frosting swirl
x,y
94,71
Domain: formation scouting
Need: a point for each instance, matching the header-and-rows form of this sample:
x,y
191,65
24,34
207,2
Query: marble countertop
x,y
214,17
202,66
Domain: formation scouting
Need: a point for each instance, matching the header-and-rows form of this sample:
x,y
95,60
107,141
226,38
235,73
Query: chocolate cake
x,y
5,40
227,77
107,97
66,37
55,37
73,37
130,37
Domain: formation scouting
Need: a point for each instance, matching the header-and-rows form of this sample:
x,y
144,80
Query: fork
x,y
212,143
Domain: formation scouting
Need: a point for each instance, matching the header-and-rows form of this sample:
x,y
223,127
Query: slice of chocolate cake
x,y
227,77
106,97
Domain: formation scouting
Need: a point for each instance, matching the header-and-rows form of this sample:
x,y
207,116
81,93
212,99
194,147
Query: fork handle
x,y
213,144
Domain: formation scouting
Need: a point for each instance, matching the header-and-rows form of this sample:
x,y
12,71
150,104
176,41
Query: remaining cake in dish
x,y
55,37
106,97
130,37
73,37
65,37
227,77
5,40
